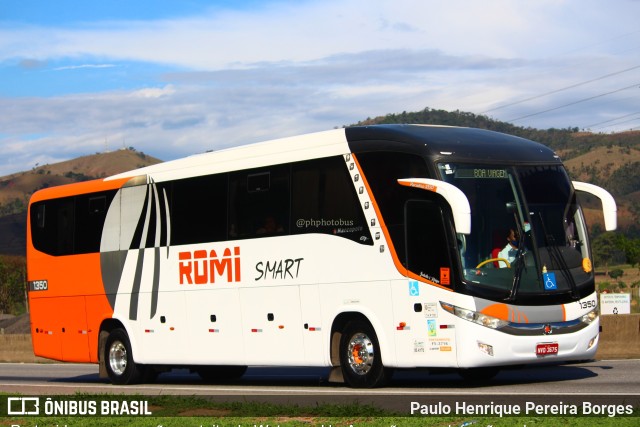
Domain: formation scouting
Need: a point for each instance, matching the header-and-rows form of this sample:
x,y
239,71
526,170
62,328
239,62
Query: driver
x,y
510,251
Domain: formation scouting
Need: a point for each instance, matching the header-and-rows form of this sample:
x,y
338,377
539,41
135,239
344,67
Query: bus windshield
x,y
528,239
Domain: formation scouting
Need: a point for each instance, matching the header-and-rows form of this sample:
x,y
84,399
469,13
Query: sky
x,y
176,78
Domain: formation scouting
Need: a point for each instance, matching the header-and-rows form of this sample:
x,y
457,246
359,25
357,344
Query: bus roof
x,y
450,143
435,142
277,151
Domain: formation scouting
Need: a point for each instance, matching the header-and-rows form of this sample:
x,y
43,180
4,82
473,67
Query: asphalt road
x,y
596,377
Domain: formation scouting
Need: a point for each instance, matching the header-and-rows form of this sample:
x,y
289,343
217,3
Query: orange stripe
x,y
396,261
75,298
77,188
498,310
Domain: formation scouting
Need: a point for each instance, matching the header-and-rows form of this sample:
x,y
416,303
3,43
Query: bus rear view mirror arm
x,y
456,199
609,208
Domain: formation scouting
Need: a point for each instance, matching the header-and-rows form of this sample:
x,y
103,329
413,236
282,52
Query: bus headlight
x,y
590,316
474,316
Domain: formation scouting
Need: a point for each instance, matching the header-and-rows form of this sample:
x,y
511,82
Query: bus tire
x,y
118,358
360,358
212,374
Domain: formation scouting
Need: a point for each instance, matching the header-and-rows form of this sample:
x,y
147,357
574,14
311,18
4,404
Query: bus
x,y
362,250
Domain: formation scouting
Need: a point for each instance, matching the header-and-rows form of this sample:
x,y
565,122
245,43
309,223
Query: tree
x,y
614,274
604,247
12,285
631,249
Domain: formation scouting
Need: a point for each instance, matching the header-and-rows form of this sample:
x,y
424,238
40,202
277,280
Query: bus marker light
x,y
485,348
402,326
256,330
172,328
280,326
447,326
148,331
214,330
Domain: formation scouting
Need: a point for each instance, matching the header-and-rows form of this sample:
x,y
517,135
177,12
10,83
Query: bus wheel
x,y
478,374
119,359
213,374
360,358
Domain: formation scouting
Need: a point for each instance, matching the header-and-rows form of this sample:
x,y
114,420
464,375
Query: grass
x,y
330,422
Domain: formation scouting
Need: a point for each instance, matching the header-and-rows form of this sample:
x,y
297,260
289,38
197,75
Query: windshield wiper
x,y
519,260
558,259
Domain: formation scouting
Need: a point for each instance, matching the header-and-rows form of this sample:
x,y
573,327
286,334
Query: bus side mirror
x,y
609,208
456,199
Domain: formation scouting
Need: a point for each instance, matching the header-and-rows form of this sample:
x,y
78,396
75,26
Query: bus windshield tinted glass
x,y
527,234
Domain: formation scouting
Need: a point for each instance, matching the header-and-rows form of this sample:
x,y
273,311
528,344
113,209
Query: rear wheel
x,y
119,359
360,358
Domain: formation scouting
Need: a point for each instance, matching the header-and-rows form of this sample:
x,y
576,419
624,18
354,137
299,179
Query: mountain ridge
x,y
17,188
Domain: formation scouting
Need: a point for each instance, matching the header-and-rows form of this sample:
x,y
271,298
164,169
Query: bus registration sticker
x,y
547,349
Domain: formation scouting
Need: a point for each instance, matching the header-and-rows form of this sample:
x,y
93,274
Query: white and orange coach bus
x,y
362,249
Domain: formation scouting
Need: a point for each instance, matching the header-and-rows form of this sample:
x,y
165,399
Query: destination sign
x,y
482,173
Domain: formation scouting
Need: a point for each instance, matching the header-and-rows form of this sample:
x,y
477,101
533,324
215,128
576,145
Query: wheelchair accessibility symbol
x,y
549,280
414,288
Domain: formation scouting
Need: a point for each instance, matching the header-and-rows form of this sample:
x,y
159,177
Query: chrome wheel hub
x,y
118,358
360,354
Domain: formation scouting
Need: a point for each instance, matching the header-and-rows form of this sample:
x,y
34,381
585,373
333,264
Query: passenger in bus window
x,y
270,226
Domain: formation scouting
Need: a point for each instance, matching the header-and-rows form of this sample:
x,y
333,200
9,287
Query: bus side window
x,y
324,201
91,211
40,212
383,169
70,225
43,226
426,239
259,202
198,209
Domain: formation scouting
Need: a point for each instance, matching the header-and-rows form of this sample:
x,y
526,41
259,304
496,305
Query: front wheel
x,y
360,358
118,358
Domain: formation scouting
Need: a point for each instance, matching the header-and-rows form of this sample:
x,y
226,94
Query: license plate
x,y
547,349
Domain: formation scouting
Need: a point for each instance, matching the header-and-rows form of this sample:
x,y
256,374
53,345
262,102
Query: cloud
x,y
174,87
347,68
84,66
303,31
182,123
